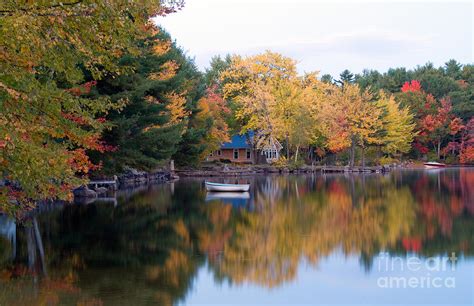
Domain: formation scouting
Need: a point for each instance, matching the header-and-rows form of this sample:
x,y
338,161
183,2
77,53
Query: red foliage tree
x,y
413,86
466,155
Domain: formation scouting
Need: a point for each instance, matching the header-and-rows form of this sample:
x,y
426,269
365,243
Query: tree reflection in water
x,y
149,248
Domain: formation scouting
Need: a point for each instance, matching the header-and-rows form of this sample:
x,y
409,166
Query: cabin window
x,y
236,154
248,154
271,154
211,154
219,152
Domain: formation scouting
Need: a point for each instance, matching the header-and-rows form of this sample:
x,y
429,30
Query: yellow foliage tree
x,y
398,126
271,98
349,118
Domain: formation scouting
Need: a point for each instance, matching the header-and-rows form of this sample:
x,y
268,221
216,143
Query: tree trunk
x,y
454,140
287,146
363,156
438,149
296,154
255,154
352,157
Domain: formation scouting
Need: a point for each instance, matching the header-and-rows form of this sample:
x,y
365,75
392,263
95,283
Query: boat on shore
x,y
434,165
227,187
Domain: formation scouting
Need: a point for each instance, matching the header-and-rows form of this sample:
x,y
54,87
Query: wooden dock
x,y
109,184
346,169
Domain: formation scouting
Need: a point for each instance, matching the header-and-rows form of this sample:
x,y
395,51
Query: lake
x,y
402,238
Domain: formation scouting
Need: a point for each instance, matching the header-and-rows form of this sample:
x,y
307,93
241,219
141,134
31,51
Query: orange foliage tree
x,y
213,112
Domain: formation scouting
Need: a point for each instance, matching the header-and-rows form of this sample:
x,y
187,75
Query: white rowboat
x,y
434,165
227,187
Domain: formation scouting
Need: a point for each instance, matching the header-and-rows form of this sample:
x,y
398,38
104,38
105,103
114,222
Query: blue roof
x,y
238,142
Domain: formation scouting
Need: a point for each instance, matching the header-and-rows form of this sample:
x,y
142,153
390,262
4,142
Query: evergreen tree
x,y
216,67
160,97
345,77
453,69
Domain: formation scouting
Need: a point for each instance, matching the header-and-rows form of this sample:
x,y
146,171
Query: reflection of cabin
x,y
240,150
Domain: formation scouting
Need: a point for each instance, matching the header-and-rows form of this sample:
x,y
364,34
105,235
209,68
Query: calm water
x,y
291,240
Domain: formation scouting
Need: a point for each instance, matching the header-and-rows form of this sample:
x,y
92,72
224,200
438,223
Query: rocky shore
x,y
131,178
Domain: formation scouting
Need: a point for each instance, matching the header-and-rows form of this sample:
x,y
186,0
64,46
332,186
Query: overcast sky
x,y
328,36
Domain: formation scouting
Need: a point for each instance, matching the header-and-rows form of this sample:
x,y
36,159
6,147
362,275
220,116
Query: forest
x,y
76,102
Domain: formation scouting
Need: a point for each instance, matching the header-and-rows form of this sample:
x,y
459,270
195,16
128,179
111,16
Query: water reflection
x,y
236,199
150,247
8,234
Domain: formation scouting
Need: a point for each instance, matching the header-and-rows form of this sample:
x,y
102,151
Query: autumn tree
x,y
455,129
466,155
435,126
350,118
422,89
272,99
48,48
398,126
258,87
212,114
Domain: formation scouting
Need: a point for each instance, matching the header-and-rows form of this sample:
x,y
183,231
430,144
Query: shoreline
x,y
131,179
249,170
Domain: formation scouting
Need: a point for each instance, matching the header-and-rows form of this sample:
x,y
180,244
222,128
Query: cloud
x,y
368,43
361,48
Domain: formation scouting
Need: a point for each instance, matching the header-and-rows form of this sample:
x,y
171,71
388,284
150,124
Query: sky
x,y
328,36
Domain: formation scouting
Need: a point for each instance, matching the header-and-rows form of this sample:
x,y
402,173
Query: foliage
x,y
271,98
147,131
49,48
467,144
398,126
345,77
212,115
348,118
217,65
436,97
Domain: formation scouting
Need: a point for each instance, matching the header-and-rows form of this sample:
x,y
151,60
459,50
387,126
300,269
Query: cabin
x,y
240,149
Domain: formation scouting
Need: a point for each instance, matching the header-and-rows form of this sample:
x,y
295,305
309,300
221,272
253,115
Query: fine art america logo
x,y
415,272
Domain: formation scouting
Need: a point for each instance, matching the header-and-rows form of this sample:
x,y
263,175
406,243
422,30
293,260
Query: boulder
x,y
84,192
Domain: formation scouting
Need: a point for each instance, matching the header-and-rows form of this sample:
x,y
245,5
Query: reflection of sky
x,y
337,280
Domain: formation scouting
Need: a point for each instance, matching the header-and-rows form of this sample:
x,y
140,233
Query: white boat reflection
x,y
236,199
